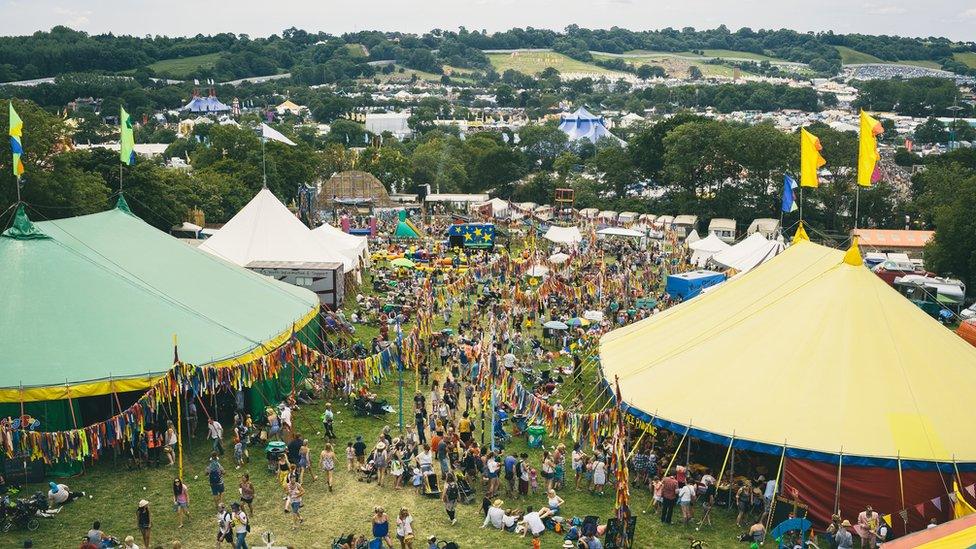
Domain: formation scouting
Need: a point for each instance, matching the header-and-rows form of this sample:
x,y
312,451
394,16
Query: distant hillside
x,y
534,62
183,67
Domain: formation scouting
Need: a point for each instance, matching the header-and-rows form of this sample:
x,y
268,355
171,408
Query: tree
x,y
950,199
645,72
694,73
931,131
505,95
615,168
439,162
646,145
389,164
346,132
43,136
542,143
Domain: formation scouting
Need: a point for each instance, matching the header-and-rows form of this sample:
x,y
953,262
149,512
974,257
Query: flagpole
x,y
264,165
857,203
120,178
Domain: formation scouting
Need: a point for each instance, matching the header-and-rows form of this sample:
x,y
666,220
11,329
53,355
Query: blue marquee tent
x,y
583,124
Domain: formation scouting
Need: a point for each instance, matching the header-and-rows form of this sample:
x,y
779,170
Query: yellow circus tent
x,y
808,352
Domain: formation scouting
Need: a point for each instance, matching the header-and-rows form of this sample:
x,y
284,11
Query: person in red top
x,y
669,495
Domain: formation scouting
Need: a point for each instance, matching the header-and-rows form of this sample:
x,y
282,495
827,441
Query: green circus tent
x,y
91,305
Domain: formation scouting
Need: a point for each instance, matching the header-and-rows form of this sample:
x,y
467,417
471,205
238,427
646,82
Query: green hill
x,y
534,62
968,58
854,57
184,66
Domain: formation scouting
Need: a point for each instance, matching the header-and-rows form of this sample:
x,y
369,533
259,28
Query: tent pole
x,y
772,503
840,468
674,456
901,489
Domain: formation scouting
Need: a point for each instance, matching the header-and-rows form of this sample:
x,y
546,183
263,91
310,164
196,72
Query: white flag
x,y
267,132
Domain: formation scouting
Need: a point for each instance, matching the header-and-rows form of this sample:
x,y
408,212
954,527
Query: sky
x,y
955,19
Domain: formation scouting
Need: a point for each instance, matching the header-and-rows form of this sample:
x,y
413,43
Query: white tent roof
x,y
692,237
264,230
498,206
563,235
705,248
352,246
619,231
749,253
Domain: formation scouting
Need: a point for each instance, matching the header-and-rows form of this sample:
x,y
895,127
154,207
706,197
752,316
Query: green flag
x,y
127,141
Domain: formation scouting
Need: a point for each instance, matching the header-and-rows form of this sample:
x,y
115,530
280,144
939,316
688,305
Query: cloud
x,y
969,14
884,9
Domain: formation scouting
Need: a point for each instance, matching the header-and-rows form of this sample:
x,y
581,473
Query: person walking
x,y
404,529
380,461
686,496
843,537
381,526
225,526
246,490
328,461
450,497
144,522
215,432
241,526
295,494
743,500
669,496
181,501
215,475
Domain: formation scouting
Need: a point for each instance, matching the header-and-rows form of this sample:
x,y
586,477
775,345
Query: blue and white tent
x,y
203,105
583,124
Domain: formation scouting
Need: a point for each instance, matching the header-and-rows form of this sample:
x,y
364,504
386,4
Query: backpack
x,y
452,492
215,475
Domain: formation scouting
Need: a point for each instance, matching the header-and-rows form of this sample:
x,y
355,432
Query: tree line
x,y
319,57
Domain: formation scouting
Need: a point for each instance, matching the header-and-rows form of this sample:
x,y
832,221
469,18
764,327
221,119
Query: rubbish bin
x,y
537,433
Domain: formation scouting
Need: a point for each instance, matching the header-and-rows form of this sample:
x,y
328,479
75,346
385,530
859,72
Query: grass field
x,y
115,491
854,57
850,56
674,64
534,62
968,58
182,67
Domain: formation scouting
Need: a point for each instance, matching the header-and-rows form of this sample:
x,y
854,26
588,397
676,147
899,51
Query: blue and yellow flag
x,y
16,147
127,142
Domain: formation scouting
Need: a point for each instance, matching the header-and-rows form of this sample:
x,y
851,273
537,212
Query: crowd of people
x,y
448,452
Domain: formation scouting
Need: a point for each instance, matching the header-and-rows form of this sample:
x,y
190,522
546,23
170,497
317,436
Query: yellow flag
x,y
960,507
867,154
810,159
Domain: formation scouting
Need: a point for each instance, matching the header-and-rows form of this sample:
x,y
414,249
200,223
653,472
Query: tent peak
x,y
123,206
23,228
853,254
800,235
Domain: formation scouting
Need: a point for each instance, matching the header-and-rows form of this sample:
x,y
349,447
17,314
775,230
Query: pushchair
x,y
367,472
274,450
465,492
349,541
428,484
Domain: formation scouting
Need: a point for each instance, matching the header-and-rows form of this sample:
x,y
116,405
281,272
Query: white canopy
x,y
705,248
620,231
537,270
749,253
264,230
352,246
498,206
558,259
563,235
692,237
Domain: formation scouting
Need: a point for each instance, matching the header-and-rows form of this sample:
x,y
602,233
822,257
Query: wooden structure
x,y
350,186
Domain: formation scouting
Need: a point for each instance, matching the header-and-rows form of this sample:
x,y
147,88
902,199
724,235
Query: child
x,y
432,542
239,453
350,456
533,480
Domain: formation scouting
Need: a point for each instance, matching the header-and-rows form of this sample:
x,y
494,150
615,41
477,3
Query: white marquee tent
x,y
354,247
264,230
704,249
749,253
569,236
